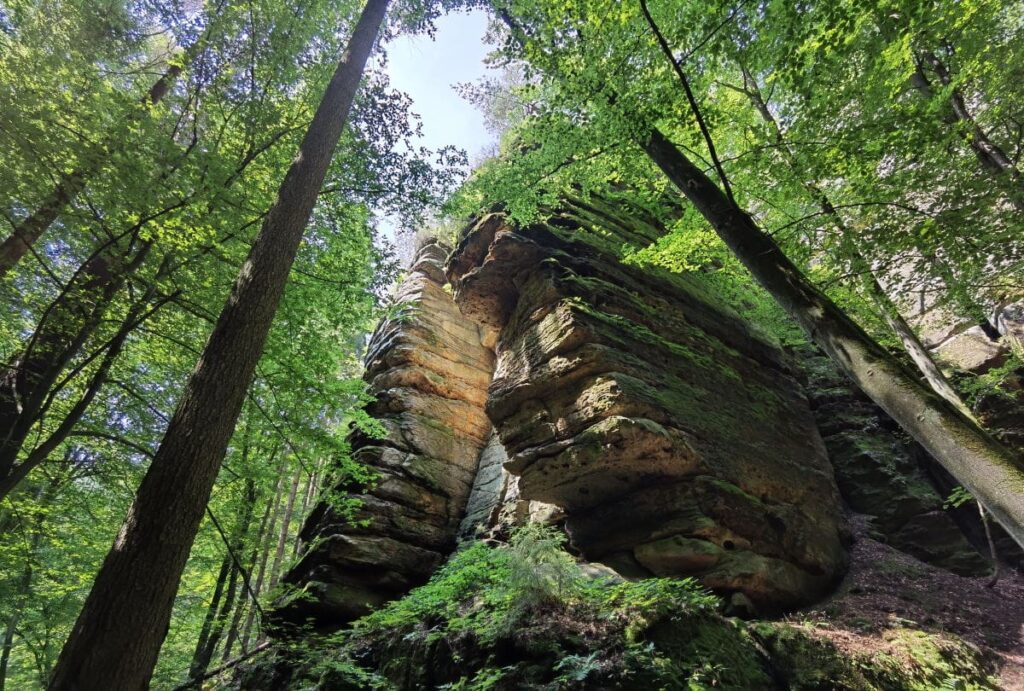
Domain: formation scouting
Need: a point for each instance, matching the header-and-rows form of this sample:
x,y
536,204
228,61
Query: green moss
x,y
524,617
914,661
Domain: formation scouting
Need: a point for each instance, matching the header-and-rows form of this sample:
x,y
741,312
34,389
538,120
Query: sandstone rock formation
x,y
629,406
429,372
883,474
676,440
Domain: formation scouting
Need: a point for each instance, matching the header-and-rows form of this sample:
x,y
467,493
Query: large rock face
x,y
429,373
676,440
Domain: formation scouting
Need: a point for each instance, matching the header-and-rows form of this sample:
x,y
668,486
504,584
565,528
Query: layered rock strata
x,y
429,371
677,441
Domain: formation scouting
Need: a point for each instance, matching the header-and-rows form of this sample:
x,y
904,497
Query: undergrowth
x,y
525,616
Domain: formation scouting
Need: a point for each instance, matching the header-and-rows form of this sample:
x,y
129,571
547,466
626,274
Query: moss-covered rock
x,y
525,616
649,412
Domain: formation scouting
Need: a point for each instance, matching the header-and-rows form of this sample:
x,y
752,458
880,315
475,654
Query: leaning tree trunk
x,y
236,620
29,230
116,639
73,317
207,645
861,266
989,154
990,471
286,522
264,555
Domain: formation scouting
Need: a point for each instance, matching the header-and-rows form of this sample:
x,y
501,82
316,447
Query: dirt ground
x,y
886,588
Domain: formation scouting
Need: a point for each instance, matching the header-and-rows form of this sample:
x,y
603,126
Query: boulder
x,y
676,439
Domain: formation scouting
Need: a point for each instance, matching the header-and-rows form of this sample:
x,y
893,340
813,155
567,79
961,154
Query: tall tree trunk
x,y
29,230
264,556
990,471
861,266
989,154
254,553
138,313
117,637
206,648
23,590
286,522
68,323
196,668
307,498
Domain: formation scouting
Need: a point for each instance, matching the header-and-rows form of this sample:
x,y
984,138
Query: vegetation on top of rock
x,y
526,615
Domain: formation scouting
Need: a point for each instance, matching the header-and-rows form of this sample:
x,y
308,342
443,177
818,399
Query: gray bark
x,y
990,471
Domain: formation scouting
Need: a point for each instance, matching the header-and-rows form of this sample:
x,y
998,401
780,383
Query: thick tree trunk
x,y
31,228
990,471
116,639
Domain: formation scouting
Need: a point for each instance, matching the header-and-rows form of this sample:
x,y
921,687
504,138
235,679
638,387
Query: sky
x,y
427,70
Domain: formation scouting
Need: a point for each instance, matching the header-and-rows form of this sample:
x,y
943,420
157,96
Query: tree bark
x,y
264,551
195,669
23,592
286,522
869,282
254,553
989,154
116,639
208,644
69,185
307,498
990,471
69,322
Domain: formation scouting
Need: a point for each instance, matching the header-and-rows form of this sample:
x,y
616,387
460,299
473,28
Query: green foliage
x,y
957,498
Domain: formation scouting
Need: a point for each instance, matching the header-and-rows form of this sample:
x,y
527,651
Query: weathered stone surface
x,y
487,495
429,373
972,351
666,429
880,473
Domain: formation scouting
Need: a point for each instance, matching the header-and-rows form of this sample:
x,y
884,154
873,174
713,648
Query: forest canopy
x,y
194,197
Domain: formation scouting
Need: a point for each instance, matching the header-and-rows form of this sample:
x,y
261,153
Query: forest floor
x,y
886,591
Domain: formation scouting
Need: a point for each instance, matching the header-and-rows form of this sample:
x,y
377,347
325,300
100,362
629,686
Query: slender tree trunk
x,y
286,522
23,591
137,314
990,471
264,552
116,639
254,554
869,282
989,154
211,613
206,649
29,230
307,498
72,318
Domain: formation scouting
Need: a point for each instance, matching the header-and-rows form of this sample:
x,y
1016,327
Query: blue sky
x,y
428,69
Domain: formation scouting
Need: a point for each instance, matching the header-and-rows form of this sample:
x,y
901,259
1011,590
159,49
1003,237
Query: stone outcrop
x,y
676,440
429,372
883,474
